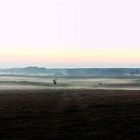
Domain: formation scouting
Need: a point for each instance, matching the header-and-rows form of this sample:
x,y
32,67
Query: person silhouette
x,y
54,82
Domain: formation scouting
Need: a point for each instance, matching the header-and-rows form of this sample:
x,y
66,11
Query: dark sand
x,y
69,114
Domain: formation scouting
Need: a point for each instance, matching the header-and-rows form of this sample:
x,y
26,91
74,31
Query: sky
x,y
69,33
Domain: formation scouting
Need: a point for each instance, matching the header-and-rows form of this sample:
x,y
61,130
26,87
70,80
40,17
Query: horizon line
x,y
71,67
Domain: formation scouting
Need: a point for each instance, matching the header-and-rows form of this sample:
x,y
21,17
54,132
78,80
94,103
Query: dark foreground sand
x,y
69,114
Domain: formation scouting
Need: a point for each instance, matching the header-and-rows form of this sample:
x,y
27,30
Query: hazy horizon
x,y
47,67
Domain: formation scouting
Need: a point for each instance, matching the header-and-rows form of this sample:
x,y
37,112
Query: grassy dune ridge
x,y
69,114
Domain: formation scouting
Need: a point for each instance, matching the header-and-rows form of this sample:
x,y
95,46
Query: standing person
x,y
55,82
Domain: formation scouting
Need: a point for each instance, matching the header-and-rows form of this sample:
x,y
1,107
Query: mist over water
x,y
44,82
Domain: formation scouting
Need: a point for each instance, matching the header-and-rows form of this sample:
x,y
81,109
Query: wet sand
x,y
56,114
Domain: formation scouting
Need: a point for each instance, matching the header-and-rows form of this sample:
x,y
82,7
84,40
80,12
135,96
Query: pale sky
x,y
70,33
